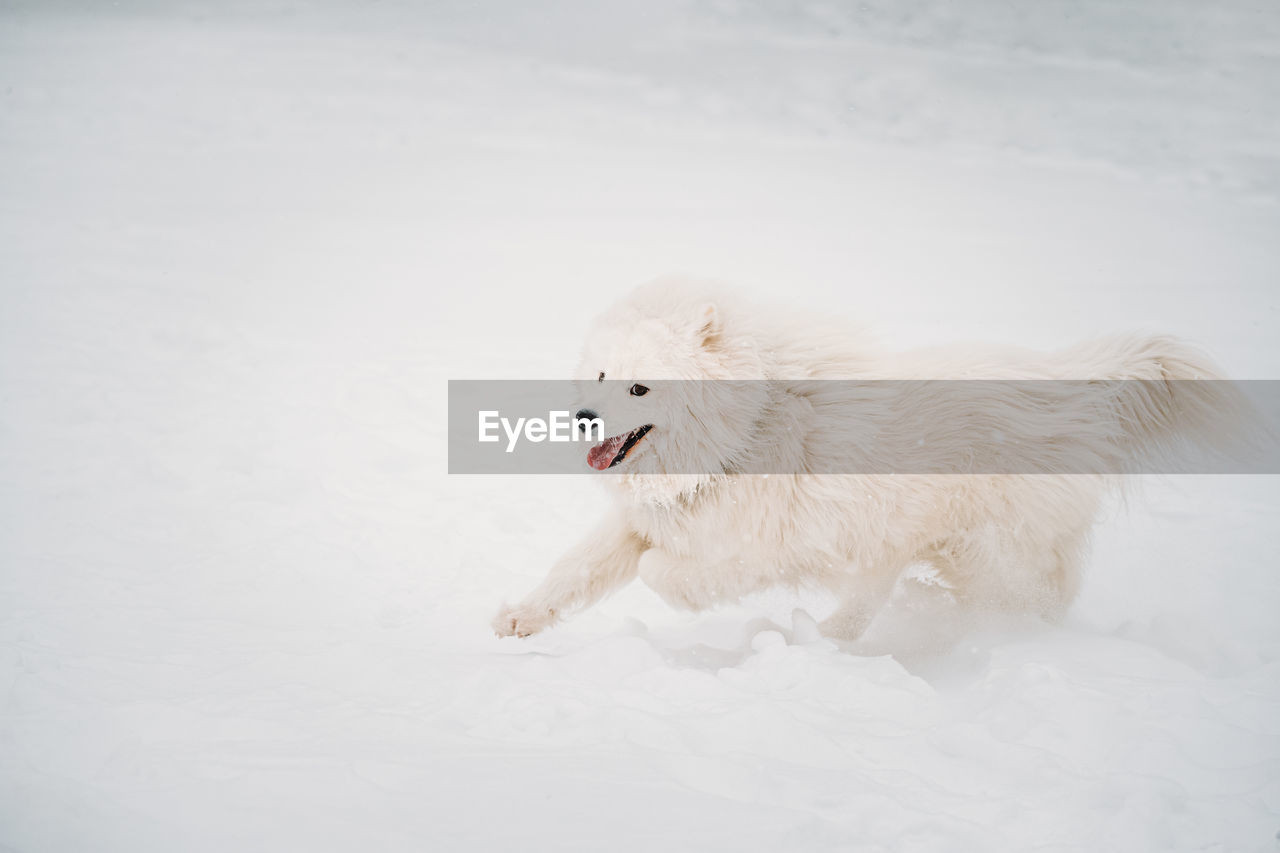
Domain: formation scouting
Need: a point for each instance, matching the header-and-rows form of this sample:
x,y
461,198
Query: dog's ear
x,y
707,324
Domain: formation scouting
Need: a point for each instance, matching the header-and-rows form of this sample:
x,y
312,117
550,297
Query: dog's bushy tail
x,y
1171,407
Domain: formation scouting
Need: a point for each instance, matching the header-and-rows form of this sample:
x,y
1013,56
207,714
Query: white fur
x,y
1011,541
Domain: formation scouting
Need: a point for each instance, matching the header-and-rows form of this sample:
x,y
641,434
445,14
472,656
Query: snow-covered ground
x,y
243,247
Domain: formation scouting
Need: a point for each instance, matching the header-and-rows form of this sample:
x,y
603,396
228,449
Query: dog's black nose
x,y
585,415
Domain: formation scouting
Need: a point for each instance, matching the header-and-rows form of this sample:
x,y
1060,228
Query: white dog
x,y
699,532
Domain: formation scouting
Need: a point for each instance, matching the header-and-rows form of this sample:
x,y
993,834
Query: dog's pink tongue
x,y
601,455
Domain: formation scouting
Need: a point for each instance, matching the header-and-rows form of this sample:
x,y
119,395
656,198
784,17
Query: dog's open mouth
x,y
613,450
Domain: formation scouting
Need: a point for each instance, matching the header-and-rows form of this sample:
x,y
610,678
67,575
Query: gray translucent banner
x,y
864,427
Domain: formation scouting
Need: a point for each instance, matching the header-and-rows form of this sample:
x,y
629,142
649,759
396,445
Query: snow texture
x,y
244,245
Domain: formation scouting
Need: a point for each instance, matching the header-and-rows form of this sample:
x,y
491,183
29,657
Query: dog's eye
x,y
639,390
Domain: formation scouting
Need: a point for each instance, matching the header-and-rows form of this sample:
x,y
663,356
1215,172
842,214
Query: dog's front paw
x,y
522,620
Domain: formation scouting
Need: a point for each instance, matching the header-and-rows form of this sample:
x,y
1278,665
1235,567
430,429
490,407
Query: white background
x,y
243,247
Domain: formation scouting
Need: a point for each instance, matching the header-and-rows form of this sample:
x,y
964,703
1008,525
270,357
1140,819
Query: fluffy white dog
x,y
698,531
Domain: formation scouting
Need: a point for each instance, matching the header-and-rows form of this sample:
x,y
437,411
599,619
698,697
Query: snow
x,y
243,247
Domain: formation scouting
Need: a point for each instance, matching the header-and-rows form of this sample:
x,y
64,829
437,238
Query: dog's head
x,y
659,370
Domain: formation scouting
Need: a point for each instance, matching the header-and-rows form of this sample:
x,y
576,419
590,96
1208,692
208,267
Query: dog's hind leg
x,y
1065,571
598,565
990,568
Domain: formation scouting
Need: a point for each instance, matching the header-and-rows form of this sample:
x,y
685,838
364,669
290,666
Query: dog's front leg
x,y
684,584
598,565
